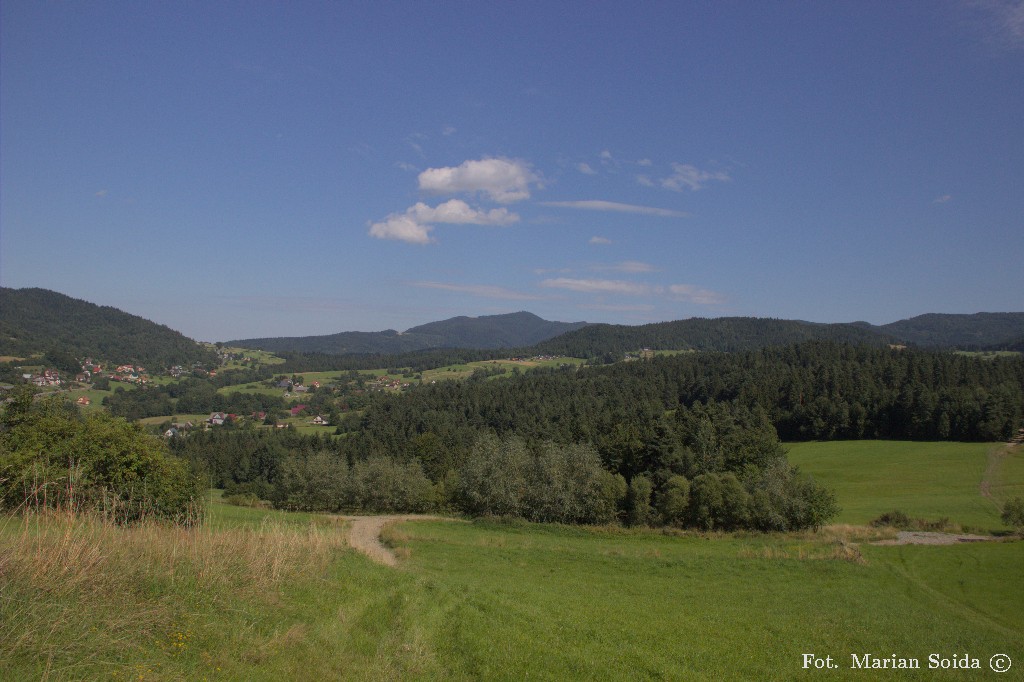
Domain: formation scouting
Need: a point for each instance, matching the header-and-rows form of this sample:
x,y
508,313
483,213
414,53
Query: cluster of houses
x,y
290,387
49,377
385,381
130,374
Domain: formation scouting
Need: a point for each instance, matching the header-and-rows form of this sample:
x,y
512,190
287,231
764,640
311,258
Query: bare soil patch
x,y
364,534
913,537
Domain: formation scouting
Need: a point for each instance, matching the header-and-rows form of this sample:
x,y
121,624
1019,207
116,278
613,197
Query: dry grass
x,y
76,590
833,551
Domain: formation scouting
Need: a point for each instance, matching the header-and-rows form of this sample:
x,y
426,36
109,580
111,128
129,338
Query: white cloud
x,y
403,228
503,180
597,205
414,225
600,240
606,155
102,193
483,290
598,286
458,212
645,181
692,294
406,166
685,176
585,168
943,199
645,162
449,130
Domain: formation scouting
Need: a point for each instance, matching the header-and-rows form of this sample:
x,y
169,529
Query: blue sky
x,y
266,169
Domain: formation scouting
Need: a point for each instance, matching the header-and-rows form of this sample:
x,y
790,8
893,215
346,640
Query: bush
x,y
1013,513
51,456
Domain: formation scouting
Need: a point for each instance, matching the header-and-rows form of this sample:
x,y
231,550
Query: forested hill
x,y
980,331
39,320
513,330
969,332
729,334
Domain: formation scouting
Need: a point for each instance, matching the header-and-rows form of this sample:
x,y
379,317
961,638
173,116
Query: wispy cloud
x,y
600,240
585,168
598,286
482,290
503,180
632,266
692,294
638,308
1003,21
414,226
685,176
618,287
943,199
597,205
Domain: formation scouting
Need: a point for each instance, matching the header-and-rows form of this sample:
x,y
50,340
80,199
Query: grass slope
x,y
260,595
925,480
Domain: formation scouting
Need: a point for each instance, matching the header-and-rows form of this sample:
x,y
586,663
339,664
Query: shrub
x,y
1013,513
51,456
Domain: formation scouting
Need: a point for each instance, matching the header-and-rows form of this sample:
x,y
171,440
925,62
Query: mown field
x,y
261,595
925,480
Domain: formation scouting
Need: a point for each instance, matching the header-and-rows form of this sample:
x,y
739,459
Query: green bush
x,y
51,456
1013,513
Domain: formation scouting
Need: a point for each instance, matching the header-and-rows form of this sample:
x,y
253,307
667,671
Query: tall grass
x,y
79,594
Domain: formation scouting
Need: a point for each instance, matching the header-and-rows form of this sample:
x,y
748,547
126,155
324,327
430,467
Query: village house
x,y
320,421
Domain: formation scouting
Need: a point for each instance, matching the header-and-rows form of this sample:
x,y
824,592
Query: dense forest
x,y
38,320
816,390
651,439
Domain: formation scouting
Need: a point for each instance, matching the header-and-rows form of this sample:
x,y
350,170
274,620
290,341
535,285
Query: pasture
x,y
924,479
263,595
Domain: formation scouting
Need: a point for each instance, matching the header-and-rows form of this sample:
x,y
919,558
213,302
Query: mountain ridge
x,y
35,320
508,330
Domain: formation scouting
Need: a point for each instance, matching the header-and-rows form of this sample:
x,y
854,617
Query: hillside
x,y
968,332
39,320
511,330
729,334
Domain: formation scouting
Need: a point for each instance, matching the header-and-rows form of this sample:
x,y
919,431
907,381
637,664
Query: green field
x,y
257,594
925,480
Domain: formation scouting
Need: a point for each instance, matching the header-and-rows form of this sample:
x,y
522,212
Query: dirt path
x,y
995,460
364,534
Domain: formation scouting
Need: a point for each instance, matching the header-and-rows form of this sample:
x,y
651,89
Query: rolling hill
x,y
968,332
38,320
512,330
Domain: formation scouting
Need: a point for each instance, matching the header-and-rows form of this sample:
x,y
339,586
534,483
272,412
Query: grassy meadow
x,y
256,594
924,479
